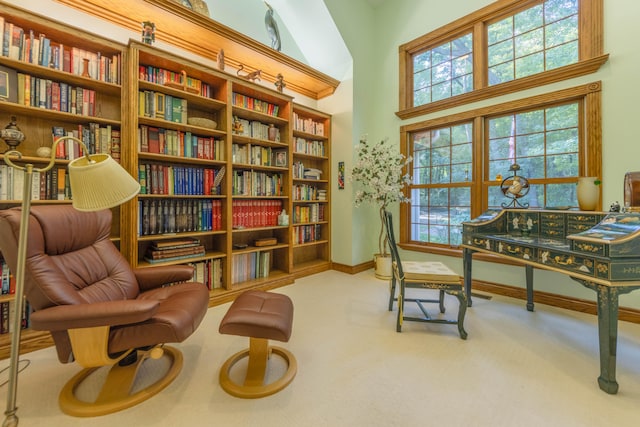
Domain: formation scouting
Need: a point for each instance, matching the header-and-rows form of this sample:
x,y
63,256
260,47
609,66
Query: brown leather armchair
x,y
99,310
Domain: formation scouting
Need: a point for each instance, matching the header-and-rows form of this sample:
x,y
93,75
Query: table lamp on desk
x,y
97,182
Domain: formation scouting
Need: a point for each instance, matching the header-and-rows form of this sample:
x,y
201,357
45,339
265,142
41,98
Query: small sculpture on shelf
x,y
12,135
221,59
272,28
148,32
251,76
515,187
279,83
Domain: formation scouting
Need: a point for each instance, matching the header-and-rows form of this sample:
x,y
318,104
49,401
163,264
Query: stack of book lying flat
x,y
175,249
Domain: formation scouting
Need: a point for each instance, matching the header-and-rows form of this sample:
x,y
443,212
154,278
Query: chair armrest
x,y
154,277
108,313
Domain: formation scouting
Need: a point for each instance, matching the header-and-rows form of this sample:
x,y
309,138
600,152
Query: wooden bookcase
x,y
37,116
253,141
311,191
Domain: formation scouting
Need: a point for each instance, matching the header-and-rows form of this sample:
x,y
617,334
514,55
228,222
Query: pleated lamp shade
x,y
100,183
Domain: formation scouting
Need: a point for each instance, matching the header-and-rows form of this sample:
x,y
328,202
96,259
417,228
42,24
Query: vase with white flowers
x,y
378,171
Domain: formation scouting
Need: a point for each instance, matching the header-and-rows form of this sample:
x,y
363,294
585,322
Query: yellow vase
x,y
588,193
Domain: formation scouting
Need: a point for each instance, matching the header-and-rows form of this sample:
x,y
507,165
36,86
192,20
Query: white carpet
x,y
516,369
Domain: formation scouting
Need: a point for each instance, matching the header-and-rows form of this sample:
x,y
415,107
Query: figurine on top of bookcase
x,y
148,32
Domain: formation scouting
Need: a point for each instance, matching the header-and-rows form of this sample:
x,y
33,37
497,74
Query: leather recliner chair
x,y
99,310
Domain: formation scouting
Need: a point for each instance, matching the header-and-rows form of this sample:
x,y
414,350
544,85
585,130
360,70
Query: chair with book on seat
x,y
100,311
430,275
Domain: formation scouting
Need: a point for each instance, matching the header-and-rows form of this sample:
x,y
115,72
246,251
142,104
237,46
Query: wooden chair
x,y
430,275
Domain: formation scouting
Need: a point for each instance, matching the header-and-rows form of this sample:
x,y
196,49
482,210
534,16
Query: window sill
x,y
563,73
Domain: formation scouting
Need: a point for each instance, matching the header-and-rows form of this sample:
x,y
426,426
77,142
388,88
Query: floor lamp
x,y
97,182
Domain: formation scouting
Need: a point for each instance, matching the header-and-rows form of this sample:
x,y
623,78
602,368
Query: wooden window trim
x,y
591,56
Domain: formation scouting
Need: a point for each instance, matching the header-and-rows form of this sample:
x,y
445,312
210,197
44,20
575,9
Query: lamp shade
x,y
100,183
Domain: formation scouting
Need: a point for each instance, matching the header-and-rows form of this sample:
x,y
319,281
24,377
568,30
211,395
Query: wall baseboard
x,y
353,269
555,300
576,304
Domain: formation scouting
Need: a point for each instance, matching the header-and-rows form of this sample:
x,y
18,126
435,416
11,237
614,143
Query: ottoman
x,y
261,316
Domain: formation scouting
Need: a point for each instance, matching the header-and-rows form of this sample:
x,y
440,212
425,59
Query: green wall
x,y
376,101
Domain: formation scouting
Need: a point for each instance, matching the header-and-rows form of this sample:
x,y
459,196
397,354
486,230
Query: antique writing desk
x,y
600,251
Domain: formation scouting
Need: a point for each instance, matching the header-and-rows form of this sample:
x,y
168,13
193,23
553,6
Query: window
x,y
459,161
441,196
444,71
509,45
540,38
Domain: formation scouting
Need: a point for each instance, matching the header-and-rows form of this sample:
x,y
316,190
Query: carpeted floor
x,y
516,369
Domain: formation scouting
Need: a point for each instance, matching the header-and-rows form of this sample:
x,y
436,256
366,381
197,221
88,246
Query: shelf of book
x,y
61,81
310,191
218,113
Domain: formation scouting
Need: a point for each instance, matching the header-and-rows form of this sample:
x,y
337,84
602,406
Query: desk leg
x,y
466,267
608,336
529,279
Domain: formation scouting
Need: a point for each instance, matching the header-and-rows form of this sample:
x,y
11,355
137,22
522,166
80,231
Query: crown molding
x,y
205,37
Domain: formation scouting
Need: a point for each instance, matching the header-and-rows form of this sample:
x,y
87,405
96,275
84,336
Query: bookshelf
x,y
60,78
311,191
260,184
215,155
178,127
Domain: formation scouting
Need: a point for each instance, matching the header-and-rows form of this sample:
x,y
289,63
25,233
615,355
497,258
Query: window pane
x,y
528,20
441,207
501,73
422,96
562,55
530,145
422,61
561,166
562,141
443,71
500,52
422,80
558,9
501,30
562,32
529,43
534,44
529,65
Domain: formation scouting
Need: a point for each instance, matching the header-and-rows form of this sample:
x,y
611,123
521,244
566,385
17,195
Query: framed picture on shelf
x,y
280,158
8,84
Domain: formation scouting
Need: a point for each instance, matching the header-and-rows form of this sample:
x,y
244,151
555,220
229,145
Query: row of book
x,y
299,171
171,142
159,105
313,212
178,216
174,249
8,283
251,265
97,139
208,272
307,192
249,154
25,45
254,129
254,183
306,146
50,185
163,76
56,96
255,104
177,180
7,315
306,234
254,213
307,125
